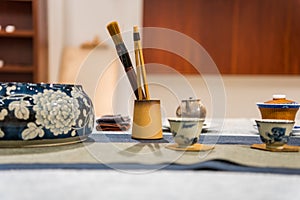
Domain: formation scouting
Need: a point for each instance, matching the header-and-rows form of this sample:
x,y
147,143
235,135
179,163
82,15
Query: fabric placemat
x,y
146,155
204,139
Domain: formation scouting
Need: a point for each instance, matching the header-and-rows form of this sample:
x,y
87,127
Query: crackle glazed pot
x,y
44,114
191,108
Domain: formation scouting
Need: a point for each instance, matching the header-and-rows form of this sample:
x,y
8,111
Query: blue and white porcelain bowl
x,y
186,131
44,114
274,132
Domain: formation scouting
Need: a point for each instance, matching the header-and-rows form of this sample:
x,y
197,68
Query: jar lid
x,y
280,99
191,99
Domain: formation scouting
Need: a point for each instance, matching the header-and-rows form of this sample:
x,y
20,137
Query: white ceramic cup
x,y
10,28
186,131
275,133
1,63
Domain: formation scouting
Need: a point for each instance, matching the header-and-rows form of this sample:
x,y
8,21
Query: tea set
x,y
277,123
187,126
52,114
274,128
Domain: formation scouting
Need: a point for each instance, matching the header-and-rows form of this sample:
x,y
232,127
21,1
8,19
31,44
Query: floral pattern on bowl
x,y
44,111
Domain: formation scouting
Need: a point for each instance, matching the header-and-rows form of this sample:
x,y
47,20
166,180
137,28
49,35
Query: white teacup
x,y
274,132
10,28
1,63
186,131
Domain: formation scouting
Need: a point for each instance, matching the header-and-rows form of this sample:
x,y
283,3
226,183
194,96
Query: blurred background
x,y
253,50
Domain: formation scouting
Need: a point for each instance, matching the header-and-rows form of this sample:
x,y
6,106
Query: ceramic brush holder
x,y
147,122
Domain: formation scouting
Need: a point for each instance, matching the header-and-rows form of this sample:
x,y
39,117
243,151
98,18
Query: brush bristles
x,y
114,31
113,28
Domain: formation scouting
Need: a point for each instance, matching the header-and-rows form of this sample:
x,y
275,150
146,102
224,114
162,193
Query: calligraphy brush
x,y
138,63
140,60
114,31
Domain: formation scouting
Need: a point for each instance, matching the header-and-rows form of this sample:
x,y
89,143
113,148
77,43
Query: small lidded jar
x,y
279,108
191,108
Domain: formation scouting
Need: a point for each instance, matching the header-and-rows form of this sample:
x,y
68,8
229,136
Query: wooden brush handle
x,y
136,38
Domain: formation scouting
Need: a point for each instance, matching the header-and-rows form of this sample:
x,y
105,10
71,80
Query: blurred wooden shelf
x,y
16,69
25,50
20,0
18,33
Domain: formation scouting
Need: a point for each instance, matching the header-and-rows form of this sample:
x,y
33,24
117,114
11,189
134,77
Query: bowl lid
x,y
191,99
280,99
274,105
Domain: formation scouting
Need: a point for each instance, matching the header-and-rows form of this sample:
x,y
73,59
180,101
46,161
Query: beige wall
x,y
241,92
72,22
